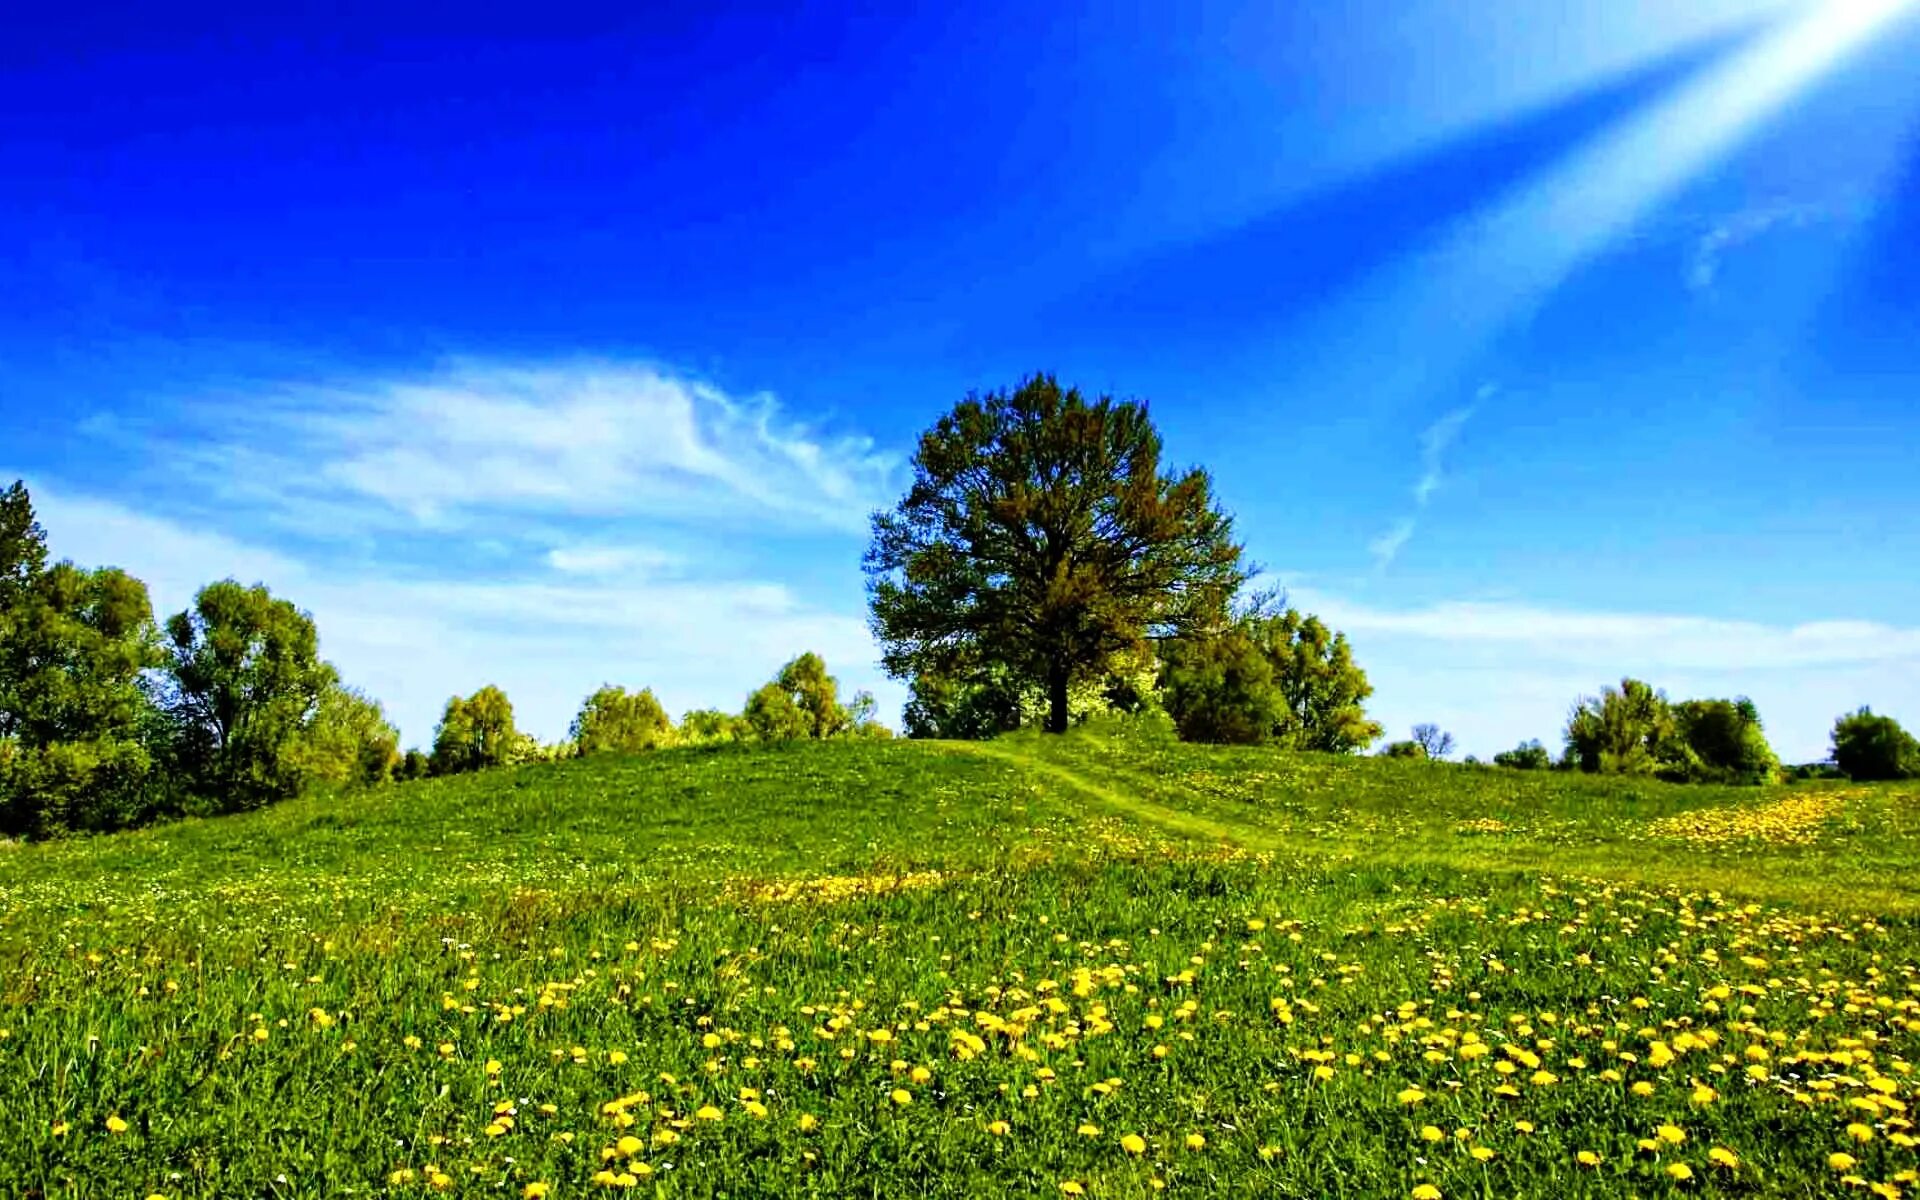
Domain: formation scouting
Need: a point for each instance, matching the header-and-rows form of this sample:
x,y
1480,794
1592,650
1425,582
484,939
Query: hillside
x,y
1094,964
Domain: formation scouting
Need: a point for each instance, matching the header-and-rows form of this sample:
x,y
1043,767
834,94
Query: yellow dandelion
x,y
1071,1187
707,1112
115,1124
1425,1191
534,1191
1673,1135
1587,1158
1432,1133
1196,1142
808,1122
1840,1160
1859,1132
901,1097
999,1128
1720,1156
1133,1143
1410,1096
1680,1171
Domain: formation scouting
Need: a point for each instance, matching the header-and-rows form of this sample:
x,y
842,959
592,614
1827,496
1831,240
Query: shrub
x,y
1871,747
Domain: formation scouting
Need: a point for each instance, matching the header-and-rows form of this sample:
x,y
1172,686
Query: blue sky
x,y
1533,344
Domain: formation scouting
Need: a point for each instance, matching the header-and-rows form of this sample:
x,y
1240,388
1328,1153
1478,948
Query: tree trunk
x,y
1056,697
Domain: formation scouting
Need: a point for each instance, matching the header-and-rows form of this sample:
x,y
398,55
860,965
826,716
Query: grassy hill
x,y
1098,964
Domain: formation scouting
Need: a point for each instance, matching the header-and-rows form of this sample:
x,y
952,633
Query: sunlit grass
x,y
1091,965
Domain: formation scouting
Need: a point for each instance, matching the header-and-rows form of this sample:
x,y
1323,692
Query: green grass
x,y
344,997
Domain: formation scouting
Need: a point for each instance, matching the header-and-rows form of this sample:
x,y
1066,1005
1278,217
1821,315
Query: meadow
x,y
1100,964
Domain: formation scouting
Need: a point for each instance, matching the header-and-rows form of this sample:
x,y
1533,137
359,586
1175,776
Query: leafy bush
x,y
617,720
475,732
1527,756
1283,678
1871,747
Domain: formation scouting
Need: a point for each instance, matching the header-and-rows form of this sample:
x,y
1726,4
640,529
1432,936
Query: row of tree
x,y
801,702
109,718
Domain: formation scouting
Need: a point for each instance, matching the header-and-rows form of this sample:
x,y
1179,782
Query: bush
x,y
1405,750
1871,747
474,733
613,719
1527,756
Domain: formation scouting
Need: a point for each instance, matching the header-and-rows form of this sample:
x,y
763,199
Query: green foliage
x,y
413,765
1634,730
1407,749
613,719
23,545
773,715
1726,742
803,701
74,647
349,742
1629,730
475,732
709,727
244,680
1041,536
1269,677
1871,747
1527,756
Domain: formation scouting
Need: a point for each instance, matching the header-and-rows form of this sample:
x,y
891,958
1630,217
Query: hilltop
x,y
1099,963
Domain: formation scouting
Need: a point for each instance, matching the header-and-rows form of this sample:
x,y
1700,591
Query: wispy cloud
x,y
452,447
1435,440
1734,230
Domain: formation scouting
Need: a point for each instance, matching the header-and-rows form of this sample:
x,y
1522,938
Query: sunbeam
x,y
1497,265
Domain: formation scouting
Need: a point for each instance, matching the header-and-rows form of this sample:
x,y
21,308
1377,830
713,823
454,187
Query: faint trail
x,y
1148,811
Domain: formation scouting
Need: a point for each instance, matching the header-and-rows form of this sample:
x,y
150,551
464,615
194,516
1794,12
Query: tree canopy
x,y
1041,534
1868,746
474,732
618,720
244,680
1280,677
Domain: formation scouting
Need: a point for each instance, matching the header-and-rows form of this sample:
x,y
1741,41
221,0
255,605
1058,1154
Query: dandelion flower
x,y
115,1124
901,1097
1196,1142
1410,1096
534,1191
1587,1158
1720,1156
808,1122
707,1112
1859,1132
1673,1135
998,1128
1426,1191
1432,1133
1680,1171
1840,1160
1071,1187
1133,1143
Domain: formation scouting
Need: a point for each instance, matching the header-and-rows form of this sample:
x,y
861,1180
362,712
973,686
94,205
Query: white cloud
x,y
1434,442
454,447
609,560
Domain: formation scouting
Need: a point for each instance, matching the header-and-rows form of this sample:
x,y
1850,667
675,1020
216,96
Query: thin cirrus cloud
x,y
450,447
1434,443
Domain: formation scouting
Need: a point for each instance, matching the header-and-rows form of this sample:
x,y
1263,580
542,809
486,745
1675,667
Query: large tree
x,y
1868,747
245,682
1041,534
75,714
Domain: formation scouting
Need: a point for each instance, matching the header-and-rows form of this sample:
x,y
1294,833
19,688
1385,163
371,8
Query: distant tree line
x,y
110,719
800,703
